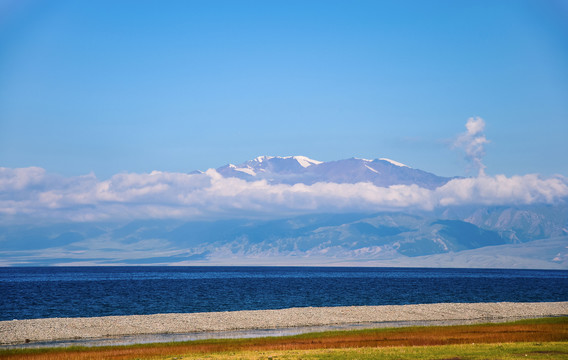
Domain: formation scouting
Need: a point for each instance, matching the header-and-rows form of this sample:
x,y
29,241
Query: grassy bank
x,y
508,351
537,339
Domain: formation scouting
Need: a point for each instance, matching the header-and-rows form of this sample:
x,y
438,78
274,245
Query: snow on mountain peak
x,y
302,160
260,159
246,170
370,168
394,162
305,161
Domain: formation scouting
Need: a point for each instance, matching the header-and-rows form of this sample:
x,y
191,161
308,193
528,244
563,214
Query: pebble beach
x,y
43,330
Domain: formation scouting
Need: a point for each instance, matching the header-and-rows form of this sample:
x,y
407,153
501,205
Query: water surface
x,y
44,292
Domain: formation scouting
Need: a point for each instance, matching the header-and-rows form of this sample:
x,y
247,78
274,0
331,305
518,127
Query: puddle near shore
x,y
240,334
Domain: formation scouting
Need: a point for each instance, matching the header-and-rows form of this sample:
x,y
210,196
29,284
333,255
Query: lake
x,y
45,292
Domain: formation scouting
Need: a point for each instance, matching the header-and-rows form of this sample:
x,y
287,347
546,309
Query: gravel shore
x,y
21,331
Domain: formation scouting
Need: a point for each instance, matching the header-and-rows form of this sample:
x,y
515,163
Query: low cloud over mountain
x,y
285,210
266,187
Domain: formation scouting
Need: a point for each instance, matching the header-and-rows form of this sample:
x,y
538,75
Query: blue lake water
x,y
44,292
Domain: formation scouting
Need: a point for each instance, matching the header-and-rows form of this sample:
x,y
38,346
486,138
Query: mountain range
x,y
520,236
300,169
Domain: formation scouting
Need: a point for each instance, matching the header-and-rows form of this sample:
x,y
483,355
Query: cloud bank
x,y
31,194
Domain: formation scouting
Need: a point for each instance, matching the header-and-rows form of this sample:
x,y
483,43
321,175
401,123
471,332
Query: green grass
x,y
508,351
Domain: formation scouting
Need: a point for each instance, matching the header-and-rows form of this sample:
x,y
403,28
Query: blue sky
x,y
136,86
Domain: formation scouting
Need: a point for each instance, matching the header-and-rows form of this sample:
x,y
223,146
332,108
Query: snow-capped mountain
x,y
300,169
520,236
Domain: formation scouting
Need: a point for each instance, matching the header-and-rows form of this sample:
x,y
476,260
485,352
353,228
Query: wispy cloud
x,y
473,141
32,193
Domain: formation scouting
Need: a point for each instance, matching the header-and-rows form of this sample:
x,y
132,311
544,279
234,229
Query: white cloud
x,y
31,193
20,178
473,143
502,190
